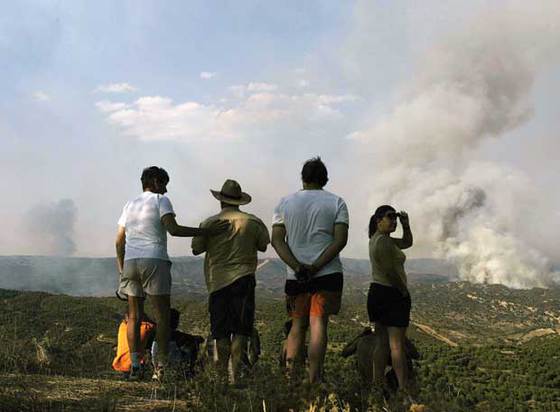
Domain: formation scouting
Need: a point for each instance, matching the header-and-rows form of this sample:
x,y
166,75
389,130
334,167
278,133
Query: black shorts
x,y
333,282
232,309
388,306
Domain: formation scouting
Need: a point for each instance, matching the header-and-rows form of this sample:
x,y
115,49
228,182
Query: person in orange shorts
x,y
122,362
309,229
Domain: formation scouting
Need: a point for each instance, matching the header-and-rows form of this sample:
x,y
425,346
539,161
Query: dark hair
x,y
174,316
151,173
314,171
378,215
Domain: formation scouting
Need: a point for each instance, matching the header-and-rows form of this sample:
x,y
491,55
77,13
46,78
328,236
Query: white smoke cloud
x,y
474,86
50,227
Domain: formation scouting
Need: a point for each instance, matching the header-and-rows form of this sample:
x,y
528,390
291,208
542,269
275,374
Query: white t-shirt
x,y
309,217
146,236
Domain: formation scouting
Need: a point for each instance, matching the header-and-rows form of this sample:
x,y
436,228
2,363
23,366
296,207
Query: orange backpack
x,y
121,362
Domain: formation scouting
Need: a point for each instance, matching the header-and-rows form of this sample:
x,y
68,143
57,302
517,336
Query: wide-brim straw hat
x,y
231,194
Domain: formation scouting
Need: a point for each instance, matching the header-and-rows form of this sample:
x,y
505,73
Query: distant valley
x,y
98,276
483,347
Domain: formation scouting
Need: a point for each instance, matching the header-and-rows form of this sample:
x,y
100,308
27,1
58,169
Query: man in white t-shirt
x,y
142,260
309,229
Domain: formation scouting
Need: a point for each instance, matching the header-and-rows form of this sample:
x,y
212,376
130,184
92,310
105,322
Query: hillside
x,y
97,276
486,348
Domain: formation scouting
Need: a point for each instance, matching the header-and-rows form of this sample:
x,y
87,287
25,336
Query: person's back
x,y
146,236
232,255
309,217
229,267
309,230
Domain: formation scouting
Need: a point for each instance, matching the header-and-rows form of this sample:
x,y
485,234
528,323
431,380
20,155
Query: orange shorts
x,y
318,304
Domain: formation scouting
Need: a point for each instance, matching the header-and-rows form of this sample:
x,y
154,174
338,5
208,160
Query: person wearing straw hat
x,y
229,268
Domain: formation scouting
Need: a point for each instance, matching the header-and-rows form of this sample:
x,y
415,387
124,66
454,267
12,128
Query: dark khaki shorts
x,y
145,276
232,308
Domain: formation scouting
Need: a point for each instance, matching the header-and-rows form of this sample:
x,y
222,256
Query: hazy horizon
x,y
446,110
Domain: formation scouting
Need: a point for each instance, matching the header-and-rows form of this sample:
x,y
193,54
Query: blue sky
x,y
162,45
92,92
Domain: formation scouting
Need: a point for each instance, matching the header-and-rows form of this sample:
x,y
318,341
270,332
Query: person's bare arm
x,y
339,242
282,249
198,244
175,229
119,244
406,241
263,238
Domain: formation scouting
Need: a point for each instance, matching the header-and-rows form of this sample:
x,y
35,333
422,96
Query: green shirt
x,y
233,254
386,259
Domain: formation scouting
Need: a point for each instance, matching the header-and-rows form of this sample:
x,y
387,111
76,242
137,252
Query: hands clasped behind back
x,y
305,272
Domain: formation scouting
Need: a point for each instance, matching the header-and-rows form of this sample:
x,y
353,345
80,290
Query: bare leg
x,y
161,305
317,347
381,353
222,353
238,348
295,343
135,313
398,354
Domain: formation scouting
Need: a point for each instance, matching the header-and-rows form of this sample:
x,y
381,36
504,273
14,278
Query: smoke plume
x,y
51,227
474,86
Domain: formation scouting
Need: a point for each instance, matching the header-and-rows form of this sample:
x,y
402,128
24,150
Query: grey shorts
x,y
146,276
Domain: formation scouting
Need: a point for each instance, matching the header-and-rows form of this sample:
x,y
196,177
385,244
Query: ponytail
x,y
378,215
372,226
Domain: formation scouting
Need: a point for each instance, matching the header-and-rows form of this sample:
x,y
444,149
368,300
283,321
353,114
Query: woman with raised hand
x,y
389,302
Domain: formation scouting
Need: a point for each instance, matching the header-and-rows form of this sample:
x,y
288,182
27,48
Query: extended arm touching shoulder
x,y
175,229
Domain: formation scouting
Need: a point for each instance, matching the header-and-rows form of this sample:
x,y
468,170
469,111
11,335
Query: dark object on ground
x,y
365,345
189,346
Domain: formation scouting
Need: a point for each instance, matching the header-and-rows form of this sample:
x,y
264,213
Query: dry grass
x,y
41,392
